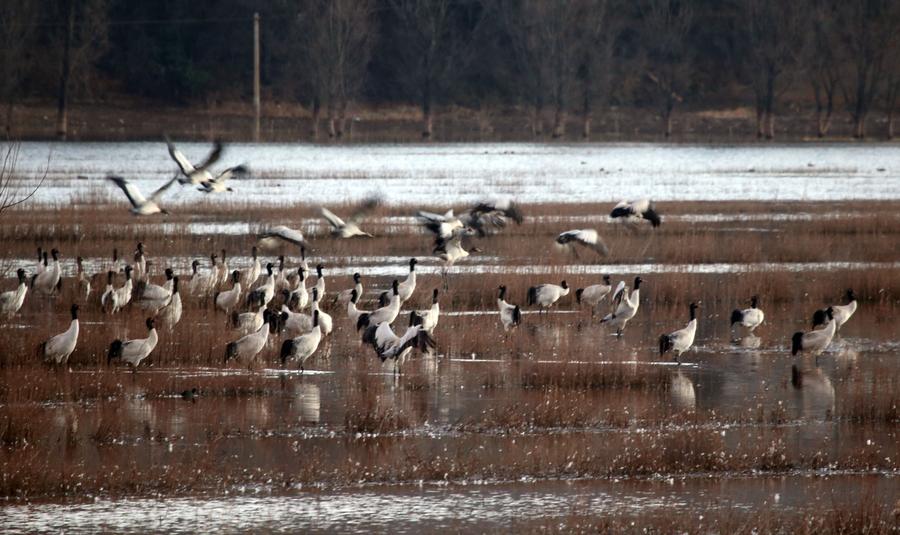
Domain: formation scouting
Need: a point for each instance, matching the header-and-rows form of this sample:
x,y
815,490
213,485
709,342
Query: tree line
x,y
555,59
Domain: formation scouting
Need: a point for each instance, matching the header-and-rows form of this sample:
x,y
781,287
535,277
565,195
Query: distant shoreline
x,y
280,122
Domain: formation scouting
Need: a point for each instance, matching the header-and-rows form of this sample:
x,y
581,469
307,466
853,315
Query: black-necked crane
x,y
352,312
203,283
345,295
170,314
49,280
279,235
325,320
219,183
626,309
228,299
192,174
298,294
252,273
681,340
572,239
397,348
11,301
442,226
249,345
451,250
632,212
221,269
840,313
384,314
302,347
140,264
154,296
510,315
263,294
120,296
749,318
349,228
594,294
108,297
58,348
487,217
84,281
247,322
431,316
141,205
545,295
133,352
816,341
408,286
320,280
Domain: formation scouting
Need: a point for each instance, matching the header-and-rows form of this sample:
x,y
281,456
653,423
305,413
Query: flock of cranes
x,y
248,296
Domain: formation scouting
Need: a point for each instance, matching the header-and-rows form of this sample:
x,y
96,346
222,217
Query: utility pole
x,y
256,103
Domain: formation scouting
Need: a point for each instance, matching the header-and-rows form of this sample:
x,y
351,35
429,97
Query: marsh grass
x,y
555,399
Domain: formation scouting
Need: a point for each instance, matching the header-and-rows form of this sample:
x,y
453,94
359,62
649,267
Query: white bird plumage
x,y
141,205
192,174
58,348
303,346
48,281
626,308
681,340
228,299
11,301
249,345
510,315
133,352
349,228
390,346
582,237
749,318
632,212
594,294
170,314
840,313
387,313
545,295
276,236
431,316
814,342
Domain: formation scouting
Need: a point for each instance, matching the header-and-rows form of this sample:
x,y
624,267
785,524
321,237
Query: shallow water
x,y
476,445
463,173
471,508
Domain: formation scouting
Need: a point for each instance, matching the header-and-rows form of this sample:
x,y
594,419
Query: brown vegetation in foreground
x,y
558,398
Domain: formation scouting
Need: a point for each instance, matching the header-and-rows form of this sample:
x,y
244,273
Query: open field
x,y
556,426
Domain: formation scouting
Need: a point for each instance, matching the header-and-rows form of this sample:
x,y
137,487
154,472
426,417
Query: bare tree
x,y
891,92
335,46
561,35
83,40
432,52
774,41
11,194
867,36
17,24
520,20
669,60
546,39
598,32
822,62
